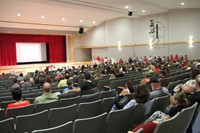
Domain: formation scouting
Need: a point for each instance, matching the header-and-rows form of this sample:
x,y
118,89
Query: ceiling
x,y
75,10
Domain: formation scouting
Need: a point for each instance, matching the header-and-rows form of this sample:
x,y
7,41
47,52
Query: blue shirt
x,y
66,89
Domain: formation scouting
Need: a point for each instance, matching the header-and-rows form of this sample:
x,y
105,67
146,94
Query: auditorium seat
x,y
7,126
46,106
4,104
2,114
89,91
106,94
89,109
64,128
160,104
90,97
138,115
168,126
14,112
28,123
119,120
69,101
185,119
58,116
107,104
95,124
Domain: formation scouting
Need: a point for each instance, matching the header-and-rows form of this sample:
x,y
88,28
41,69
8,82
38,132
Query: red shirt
x,y
17,105
145,59
171,59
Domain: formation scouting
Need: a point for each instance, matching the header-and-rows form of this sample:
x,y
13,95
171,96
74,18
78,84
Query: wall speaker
x,y
81,30
130,13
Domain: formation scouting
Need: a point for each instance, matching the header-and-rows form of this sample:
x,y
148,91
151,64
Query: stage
x,y
16,69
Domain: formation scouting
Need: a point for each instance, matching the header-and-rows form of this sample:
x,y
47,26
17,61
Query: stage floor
x,y
32,67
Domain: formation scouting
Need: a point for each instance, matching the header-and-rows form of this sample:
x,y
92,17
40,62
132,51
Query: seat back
x,y
7,126
114,84
89,91
96,124
148,108
2,114
69,101
119,120
58,116
28,123
107,104
161,103
89,109
64,128
14,112
138,115
167,126
103,83
90,97
43,106
4,104
185,119
195,126
106,94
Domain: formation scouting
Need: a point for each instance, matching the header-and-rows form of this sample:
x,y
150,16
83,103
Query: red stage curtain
x,y
57,47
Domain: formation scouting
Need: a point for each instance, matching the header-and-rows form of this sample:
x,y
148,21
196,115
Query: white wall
x,y
175,25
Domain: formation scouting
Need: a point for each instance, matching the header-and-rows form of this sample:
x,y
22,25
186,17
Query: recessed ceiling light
x,y
42,17
127,7
63,19
18,14
182,4
81,21
93,22
143,11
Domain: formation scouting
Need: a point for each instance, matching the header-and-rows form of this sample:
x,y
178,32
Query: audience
x,y
47,96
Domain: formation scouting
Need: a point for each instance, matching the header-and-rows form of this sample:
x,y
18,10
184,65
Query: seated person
x,y
180,102
47,96
157,90
127,89
195,97
15,84
87,84
69,87
17,96
141,95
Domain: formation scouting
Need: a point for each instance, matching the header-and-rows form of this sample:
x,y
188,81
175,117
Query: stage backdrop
x,y
8,55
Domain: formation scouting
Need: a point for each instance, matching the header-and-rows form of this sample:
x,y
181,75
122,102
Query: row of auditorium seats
x,y
119,121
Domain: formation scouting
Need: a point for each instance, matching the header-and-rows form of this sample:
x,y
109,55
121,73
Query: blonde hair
x,y
181,98
198,80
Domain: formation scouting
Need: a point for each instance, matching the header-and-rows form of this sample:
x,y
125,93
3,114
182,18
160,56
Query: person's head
x,y
194,73
112,76
21,74
198,82
87,75
48,79
27,78
155,83
67,76
130,85
47,87
17,94
180,98
69,84
141,94
15,80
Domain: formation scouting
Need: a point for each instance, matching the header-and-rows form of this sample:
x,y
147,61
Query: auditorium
x,y
99,66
